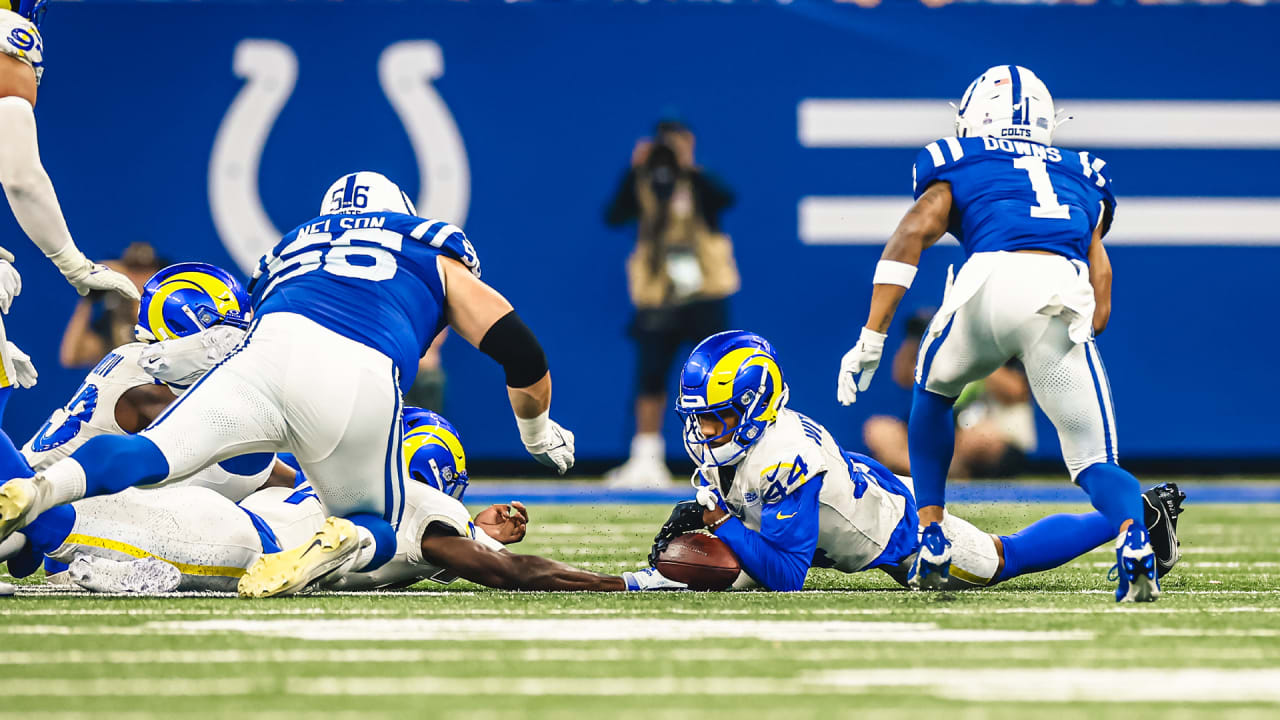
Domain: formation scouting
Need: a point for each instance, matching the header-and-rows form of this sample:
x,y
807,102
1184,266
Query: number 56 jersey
x,y
372,277
1018,195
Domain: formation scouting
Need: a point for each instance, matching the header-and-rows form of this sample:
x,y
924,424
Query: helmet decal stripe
x,y
720,379
1019,112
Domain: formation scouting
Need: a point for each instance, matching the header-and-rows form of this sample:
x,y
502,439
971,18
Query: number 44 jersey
x,y
1018,195
372,277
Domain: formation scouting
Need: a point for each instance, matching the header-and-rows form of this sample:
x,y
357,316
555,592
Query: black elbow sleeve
x,y
513,345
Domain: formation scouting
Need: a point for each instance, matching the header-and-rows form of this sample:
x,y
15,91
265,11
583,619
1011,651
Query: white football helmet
x,y
1007,101
365,191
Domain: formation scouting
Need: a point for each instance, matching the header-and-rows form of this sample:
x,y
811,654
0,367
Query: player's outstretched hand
x,y
505,523
685,517
858,366
554,448
650,579
24,371
10,281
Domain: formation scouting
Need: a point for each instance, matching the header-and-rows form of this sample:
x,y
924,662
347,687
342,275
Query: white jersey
x,y
20,39
856,518
92,412
424,506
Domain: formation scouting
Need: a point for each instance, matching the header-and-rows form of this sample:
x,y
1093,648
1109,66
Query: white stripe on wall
x,y
869,220
1097,123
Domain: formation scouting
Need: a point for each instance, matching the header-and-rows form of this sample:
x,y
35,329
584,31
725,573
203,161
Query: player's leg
x,y
1070,384
954,352
230,411
348,440
1052,541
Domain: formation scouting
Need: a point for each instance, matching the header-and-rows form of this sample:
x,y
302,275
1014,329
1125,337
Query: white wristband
x,y
892,272
533,429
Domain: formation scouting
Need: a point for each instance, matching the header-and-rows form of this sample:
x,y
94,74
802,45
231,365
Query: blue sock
x,y
115,462
1052,541
1114,492
44,535
12,463
931,441
384,539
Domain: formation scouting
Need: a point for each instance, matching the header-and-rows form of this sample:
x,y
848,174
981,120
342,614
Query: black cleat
x,y
1163,505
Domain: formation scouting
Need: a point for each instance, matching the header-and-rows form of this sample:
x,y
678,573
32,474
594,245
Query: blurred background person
x,y
102,321
995,422
428,387
680,276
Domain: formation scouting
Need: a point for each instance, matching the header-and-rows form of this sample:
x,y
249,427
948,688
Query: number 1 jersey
x,y
1018,195
371,277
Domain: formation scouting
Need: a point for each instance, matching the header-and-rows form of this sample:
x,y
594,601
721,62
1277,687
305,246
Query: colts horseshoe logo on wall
x,y
270,69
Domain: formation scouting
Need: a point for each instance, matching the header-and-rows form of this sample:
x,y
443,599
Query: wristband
x,y
719,522
892,272
533,429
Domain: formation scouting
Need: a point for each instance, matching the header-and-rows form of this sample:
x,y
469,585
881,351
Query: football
x,y
701,561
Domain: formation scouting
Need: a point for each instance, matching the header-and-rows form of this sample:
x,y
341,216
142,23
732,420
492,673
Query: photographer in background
x,y
101,320
680,276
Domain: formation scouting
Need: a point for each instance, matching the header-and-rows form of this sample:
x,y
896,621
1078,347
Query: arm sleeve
x,y
26,184
623,208
778,557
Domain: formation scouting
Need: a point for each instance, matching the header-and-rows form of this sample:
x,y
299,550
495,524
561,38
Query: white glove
x,y
183,360
21,371
86,275
650,579
864,358
710,498
553,446
10,281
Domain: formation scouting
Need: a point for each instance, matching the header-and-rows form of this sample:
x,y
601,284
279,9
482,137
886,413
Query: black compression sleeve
x,y
512,344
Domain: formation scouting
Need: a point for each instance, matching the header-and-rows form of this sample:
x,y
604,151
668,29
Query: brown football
x,y
703,562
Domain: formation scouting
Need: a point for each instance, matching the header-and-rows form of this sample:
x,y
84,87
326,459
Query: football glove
x,y
685,517
182,361
650,579
10,281
553,448
86,275
858,366
18,365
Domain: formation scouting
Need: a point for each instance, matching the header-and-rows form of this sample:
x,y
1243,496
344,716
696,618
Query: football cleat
x,y
1163,506
17,498
291,571
144,576
7,590
932,567
1136,567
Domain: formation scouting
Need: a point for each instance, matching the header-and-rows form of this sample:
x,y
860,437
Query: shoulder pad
x,y
450,240
932,160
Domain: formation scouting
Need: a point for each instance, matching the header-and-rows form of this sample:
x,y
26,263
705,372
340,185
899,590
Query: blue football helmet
x,y
433,452
186,298
32,10
736,374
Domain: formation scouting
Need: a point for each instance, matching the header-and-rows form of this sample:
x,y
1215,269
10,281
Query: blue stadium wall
x,y
154,116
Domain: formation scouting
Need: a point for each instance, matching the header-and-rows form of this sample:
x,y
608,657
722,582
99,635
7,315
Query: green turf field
x,y
1053,645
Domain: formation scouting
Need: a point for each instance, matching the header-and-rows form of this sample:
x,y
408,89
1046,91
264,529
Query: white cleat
x,y
7,590
144,576
17,499
932,568
1136,566
291,571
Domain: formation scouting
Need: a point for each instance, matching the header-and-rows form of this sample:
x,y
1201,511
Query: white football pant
x,y
1038,308
296,386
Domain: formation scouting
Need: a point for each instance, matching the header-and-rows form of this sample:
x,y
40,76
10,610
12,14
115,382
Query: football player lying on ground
x,y
190,538
190,315
781,493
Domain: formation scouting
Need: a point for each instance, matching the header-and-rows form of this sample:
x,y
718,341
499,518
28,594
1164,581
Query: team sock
x,y
44,535
1114,492
105,465
931,433
377,534
1052,541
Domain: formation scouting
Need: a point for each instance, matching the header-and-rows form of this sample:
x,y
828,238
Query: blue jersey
x,y
371,277
1018,195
